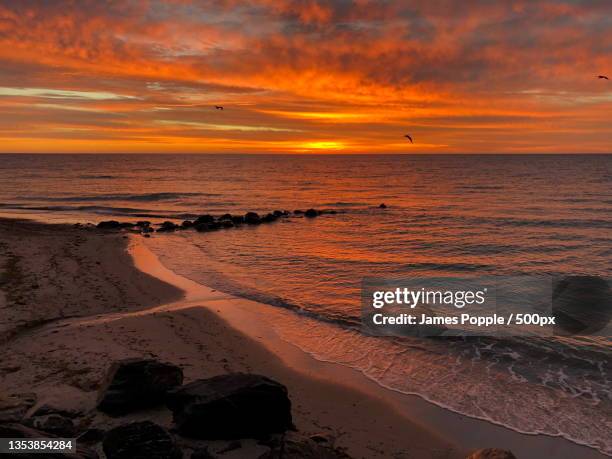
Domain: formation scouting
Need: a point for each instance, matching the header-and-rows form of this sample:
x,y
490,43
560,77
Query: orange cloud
x,y
305,75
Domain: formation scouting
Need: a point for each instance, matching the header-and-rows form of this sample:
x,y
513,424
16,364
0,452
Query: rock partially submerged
x,y
492,453
252,218
168,226
134,384
207,222
231,406
140,440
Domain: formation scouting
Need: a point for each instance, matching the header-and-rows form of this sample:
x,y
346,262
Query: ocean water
x,y
447,216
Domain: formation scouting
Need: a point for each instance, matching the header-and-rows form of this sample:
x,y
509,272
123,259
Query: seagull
x,y
409,138
602,77
218,107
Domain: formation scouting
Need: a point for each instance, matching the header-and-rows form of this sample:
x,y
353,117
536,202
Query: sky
x,y
305,76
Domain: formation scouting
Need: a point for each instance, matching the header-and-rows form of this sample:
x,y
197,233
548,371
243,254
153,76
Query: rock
x,y
231,446
298,212
279,213
45,409
252,218
14,407
204,227
227,223
383,206
237,219
320,438
269,218
126,225
91,436
133,384
167,226
297,447
231,406
491,453
56,424
202,453
109,224
147,235
225,217
187,224
143,223
14,430
204,219
140,440
310,213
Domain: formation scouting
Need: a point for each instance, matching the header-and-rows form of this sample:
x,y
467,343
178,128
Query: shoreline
x,y
208,332
464,431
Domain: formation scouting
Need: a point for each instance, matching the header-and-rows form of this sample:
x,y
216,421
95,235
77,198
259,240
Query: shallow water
x,y
446,216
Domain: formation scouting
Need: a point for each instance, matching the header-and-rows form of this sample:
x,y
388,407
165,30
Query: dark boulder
x,y
491,453
225,217
252,218
296,446
279,213
268,218
109,224
204,227
226,223
56,424
202,453
133,384
231,406
13,430
187,224
310,213
237,219
383,206
45,409
140,440
167,226
91,436
143,223
204,219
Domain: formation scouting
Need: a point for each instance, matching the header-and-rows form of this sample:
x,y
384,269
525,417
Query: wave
x,y
106,210
94,177
162,196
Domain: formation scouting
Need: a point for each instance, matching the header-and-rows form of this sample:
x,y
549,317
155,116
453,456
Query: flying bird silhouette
x,y
602,77
409,138
218,107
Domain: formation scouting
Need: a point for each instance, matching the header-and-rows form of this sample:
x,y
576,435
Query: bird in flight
x,y
218,107
409,138
602,77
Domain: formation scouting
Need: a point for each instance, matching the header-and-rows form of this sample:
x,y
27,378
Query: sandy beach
x,y
76,300
73,303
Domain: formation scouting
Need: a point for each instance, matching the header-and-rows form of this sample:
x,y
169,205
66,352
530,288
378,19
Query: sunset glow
x,y
305,76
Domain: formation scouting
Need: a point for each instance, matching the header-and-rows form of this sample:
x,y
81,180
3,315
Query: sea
x,y
446,215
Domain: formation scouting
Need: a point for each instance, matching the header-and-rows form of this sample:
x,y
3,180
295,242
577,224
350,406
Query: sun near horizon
x,y
305,77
